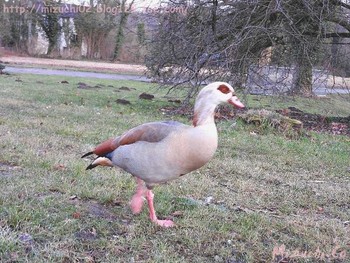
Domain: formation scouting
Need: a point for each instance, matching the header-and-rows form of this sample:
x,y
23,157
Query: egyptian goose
x,y
158,152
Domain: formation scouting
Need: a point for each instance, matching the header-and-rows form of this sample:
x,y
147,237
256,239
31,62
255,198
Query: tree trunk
x,y
335,58
335,51
302,75
52,44
122,23
120,35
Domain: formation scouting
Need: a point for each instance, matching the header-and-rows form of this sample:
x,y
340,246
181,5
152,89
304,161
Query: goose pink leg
x,y
138,198
152,212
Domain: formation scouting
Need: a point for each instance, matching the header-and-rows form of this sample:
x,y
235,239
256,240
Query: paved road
x,y
325,91
86,74
317,91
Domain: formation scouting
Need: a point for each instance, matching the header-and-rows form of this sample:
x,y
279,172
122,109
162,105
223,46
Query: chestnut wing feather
x,y
150,132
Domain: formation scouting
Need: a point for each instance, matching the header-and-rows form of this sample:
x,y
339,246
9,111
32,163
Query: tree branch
x,y
336,34
341,3
342,22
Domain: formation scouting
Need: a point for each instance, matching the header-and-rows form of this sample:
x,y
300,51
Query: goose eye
x,y
224,89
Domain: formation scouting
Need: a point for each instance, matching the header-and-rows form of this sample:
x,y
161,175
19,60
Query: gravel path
x,y
74,73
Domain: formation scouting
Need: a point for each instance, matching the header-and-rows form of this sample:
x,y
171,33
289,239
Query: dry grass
x,y
265,190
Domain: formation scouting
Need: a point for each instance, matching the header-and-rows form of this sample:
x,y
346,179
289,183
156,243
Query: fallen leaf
x,y
118,202
76,215
73,197
320,209
89,259
208,200
177,213
119,250
59,167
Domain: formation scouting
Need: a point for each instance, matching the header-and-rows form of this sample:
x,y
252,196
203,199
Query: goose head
x,y
219,92
210,97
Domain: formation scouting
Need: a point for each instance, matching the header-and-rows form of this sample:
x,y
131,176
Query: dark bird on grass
x,y
158,152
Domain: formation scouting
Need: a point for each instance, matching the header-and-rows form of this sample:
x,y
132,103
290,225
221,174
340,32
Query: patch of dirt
x,y
125,88
87,234
223,112
90,208
6,169
123,102
311,122
146,96
319,123
82,85
100,211
174,101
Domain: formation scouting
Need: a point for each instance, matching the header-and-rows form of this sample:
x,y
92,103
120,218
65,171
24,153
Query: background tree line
x,y
225,40
102,34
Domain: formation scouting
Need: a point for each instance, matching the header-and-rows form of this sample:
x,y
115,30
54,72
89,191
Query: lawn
x,y
263,198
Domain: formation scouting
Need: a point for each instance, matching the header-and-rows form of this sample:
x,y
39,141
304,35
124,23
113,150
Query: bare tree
x,y
125,9
93,28
15,27
224,39
49,22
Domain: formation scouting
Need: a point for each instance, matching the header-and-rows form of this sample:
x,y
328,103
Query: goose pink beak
x,y
236,102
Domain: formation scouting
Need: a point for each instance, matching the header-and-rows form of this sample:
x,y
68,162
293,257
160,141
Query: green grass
x,y
267,190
